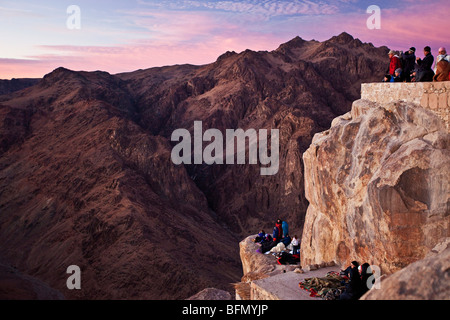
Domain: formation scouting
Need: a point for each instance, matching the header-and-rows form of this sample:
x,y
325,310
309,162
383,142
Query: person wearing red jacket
x,y
394,63
277,231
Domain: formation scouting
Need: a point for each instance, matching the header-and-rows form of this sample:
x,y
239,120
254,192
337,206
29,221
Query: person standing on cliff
x,y
365,272
409,63
277,231
285,227
394,63
442,70
425,73
442,55
277,235
295,245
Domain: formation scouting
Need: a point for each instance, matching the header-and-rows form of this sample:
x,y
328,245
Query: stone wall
x,y
430,95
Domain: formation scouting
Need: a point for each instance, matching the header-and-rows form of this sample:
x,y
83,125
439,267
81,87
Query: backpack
x,y
287,258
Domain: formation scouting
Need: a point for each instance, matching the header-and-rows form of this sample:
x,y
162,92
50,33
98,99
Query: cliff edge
x,y
377,183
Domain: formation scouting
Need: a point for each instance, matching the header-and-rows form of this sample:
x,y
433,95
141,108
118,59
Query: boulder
x,y
377,184
426,279
252,260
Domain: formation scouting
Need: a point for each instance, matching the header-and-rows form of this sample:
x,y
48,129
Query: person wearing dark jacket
x,y
425,73
286,240
398,76
365,275
409,63
277,235
353,287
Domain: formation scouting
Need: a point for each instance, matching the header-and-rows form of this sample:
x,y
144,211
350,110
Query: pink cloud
x,y
177,37
130,57
418,24
164,38
22,68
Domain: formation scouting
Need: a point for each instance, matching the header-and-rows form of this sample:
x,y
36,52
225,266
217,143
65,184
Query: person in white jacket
x,y
442,55
295,245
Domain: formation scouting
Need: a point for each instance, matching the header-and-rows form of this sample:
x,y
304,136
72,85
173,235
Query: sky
x,y
37,37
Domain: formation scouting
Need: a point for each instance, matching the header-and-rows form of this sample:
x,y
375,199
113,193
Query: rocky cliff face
x,y
377,182
86,176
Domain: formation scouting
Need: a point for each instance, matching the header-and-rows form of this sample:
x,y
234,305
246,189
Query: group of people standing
x,y
406,67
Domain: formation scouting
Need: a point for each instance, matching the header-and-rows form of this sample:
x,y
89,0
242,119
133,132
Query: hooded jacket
x,y
394,64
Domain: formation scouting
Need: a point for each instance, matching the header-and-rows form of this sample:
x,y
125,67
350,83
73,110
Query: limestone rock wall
x,y
434,96
377,183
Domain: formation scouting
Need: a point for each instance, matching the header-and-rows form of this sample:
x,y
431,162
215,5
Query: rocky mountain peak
x,y
296,42
226,55
343,38
59,73
64,76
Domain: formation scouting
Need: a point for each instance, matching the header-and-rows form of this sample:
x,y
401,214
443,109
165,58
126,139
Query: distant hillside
x,y
86,176
10,86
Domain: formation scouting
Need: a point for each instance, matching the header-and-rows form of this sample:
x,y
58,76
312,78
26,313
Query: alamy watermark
x,y
374,282
74,20
374,21
74,281
234,145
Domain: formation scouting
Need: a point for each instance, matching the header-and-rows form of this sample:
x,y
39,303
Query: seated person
x,y
442,69
262,237
286,240
387,78
397,76
353,287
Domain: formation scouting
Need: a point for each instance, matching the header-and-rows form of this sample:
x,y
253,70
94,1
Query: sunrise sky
x,y
120,36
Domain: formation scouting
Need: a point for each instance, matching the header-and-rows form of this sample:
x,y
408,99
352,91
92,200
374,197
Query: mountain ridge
x,y
86,176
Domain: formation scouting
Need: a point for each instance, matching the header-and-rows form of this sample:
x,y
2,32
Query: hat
x,y
412,49
391,52
442,49
399,70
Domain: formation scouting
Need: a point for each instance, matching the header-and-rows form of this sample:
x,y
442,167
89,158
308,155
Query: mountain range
x,y
86,176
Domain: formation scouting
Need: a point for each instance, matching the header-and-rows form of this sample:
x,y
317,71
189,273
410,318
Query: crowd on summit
x,y
406,67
